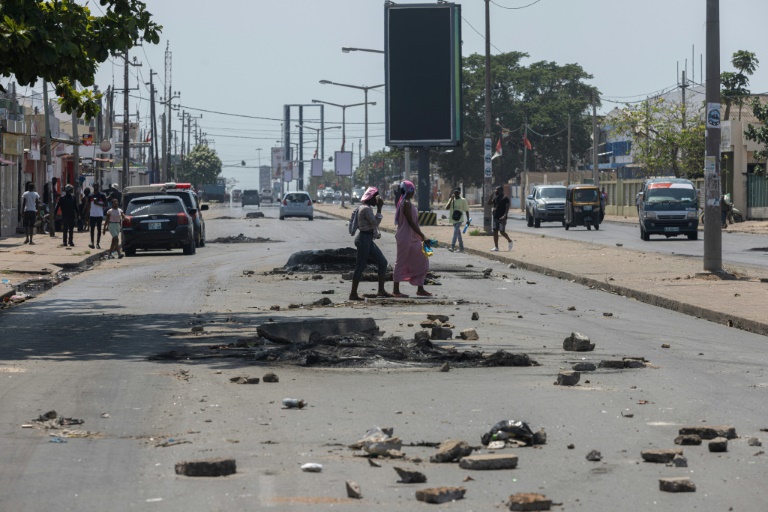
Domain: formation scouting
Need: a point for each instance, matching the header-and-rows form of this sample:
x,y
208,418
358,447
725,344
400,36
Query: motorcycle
x,y
733,216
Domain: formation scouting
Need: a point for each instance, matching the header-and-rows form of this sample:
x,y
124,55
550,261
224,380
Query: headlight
x,y
650,215
692,215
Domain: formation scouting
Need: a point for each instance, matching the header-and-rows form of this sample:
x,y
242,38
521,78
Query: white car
x,y
296,204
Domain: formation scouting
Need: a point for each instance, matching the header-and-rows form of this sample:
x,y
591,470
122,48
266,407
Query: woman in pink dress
x,y
411,264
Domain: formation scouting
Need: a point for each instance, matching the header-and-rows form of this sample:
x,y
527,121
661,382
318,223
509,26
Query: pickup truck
x,y
546,203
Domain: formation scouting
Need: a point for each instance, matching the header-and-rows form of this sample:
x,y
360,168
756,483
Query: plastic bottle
x,y
294,403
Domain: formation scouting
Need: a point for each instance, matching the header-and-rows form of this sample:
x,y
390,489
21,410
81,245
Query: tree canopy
x,y
63,42
201,166
759,133
735,85
544,94
659,142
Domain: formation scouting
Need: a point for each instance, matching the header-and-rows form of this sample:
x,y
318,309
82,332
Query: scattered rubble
x,y
244,380
52,420
294,403
594,456
254,215
445,368
681,484
270,377
679,461
475,315
509,429
568,378
584,367
353,490
754,441
578,342
688,440
441,333
207,467
451,450
490,461
326,260
529,502
710,432
303,330
239,239
660,456
312,467
469,334
718,444
411,477
440,494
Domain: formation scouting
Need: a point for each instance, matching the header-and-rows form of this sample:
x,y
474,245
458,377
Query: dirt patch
x,y
240,239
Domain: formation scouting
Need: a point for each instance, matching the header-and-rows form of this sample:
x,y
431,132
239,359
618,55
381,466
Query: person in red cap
x,y
368,224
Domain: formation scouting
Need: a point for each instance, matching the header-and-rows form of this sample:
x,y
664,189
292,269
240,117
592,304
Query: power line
x,y
515,8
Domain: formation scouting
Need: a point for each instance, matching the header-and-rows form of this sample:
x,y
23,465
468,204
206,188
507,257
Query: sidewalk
x,y
20,262
678,283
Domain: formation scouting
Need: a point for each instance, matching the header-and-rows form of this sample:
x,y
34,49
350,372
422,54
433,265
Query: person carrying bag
x,y
457,207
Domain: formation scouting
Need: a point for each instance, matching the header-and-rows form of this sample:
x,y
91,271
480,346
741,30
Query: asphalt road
x,y
100,343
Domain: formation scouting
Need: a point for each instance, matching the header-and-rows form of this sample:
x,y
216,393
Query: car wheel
x,y
536,223
311,218
282,218
129,251
597,226
202,241
644,235
589,226
528,220
566,226
693,236
189,248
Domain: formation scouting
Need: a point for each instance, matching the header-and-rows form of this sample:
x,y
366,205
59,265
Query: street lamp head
x,y
344,49
324,82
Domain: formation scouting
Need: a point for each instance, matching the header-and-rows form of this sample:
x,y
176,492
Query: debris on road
x,y
710,432
578,342
509,429
445,368
440,494
529,502
312,467
594,456
411,477
207,467
294,403
660,456
475,315
491,461
681,484
172,442
353,490
451,450
540,437
197,328
666,345
584,367
244,380
254,215
441,333
303,330
679,461
469,334
568,378
270,377
718,444
248,272
239,239
373,463
615,364
754,441
688,440
51,420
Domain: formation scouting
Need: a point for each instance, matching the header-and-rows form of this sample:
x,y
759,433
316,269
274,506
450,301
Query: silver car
x,y
296,204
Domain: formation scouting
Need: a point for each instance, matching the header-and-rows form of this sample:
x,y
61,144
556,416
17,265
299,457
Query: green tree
x,y
544,94
659,143
62,42
759,134
734,86
201,167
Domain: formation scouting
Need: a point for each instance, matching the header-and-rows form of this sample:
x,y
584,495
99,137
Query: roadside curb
x,y
647,298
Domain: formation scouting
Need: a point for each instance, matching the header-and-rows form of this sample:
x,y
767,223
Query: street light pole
x,y
343,128
713,248
487,142
365,89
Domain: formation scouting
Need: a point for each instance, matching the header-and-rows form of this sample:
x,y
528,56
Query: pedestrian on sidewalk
x,y
97,203
501,206
368,224
30,204
116,194
85,208
68,206
457,207
411,264
114,221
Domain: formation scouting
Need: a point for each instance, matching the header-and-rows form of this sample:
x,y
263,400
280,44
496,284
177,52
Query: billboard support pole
x,y
424,189
487,142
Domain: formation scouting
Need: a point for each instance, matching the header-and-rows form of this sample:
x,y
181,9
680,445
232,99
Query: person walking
x,y
85,208
411,264
368,224
116,194
114,221
30,205
68,206
97,203
457,207
501,206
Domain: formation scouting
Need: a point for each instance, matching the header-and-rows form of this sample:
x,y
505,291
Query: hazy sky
x,y
250,57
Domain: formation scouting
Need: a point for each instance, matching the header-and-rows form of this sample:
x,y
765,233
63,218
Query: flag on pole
x,y
498,150
314,156
527,142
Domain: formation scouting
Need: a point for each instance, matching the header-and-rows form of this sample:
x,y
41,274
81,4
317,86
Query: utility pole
x,y
48,163
525,166
126,123
488,169
713,250
183,153
568,156
153,130
168,116
166,144
595,143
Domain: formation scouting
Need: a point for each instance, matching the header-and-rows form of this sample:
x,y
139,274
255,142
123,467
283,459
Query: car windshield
x,y
552,193
296,198
586,195
670,194
154,207
251,193
189,200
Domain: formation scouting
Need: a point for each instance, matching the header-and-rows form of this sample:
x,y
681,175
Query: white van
x,y
669,207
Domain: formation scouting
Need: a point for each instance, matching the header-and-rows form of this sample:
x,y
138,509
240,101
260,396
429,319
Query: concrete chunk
x,y
681,484
439,318
451,450
489,461
300,331
469,334
353,490
568,378
578,342
688,440
440,494
612,363
661,456
584,367
207,467
529,501
441,333
710,432
718,444
411,477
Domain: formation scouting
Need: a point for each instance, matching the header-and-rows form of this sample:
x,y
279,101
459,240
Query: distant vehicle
x,y
328,195
669,207
337,195
215,191
250,197
296,204
357,194
546,203
582,206
266,195
157,222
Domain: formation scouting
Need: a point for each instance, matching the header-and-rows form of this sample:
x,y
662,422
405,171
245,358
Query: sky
x,y
250,57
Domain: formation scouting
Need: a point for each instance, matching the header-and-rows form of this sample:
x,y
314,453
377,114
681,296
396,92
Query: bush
x,y
474,232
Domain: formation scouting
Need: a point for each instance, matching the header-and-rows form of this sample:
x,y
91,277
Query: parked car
x,y
296,204
182,190
669,207
357,193
157,222
250,197
546,203
266,195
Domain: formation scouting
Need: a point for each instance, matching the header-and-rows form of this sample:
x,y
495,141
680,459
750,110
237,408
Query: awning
x,y
3,161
